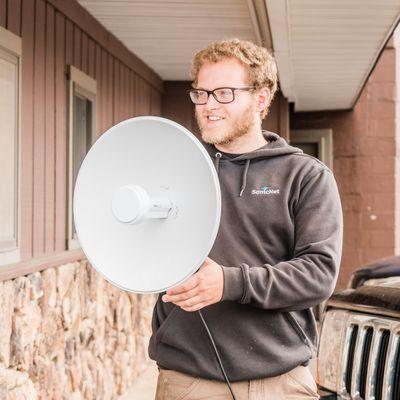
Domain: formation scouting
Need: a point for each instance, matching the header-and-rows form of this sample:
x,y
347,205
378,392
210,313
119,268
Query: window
x,y
82,98
315,142
10,61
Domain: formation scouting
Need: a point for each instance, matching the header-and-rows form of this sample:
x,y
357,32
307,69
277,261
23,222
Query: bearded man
x,y
276,255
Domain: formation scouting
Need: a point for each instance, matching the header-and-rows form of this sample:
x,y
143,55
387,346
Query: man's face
x,y
223,123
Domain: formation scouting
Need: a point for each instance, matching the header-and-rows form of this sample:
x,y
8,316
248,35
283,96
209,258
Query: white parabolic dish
x,y
167,161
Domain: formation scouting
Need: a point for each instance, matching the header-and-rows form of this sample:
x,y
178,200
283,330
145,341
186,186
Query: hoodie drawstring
x,y
217,158
244,177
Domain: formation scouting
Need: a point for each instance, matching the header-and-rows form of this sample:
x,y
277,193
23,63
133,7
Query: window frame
x,y
11,48
324,139
85,86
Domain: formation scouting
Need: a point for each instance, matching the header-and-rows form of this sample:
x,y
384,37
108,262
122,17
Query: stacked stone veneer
x,y
66,333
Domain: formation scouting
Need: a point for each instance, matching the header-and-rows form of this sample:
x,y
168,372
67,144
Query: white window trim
x,y
10,42
323,137
85,85
10,252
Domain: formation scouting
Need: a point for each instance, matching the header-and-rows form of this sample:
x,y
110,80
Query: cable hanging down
x,y
217,354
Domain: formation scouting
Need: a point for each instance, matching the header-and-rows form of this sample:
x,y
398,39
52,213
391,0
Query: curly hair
x,y
261,66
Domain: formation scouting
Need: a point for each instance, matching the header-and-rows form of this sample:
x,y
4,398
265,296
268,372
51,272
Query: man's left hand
x,y
203,288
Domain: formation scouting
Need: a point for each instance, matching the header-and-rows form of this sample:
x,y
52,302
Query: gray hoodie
x,y
279,244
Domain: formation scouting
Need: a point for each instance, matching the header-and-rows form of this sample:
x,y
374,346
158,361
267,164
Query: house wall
x,y
365,156
64,332
396,56
54,35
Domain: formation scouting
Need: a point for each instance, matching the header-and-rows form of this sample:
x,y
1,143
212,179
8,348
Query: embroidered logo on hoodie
x,y
264,190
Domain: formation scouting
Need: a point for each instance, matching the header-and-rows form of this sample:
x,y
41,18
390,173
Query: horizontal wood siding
x,y
54,35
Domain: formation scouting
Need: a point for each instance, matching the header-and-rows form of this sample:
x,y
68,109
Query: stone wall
x,y
66,333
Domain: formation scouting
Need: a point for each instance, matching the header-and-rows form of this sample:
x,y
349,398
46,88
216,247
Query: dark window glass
x,y
82,132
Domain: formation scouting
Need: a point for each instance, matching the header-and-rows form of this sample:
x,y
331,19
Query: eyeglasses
x,y
223,95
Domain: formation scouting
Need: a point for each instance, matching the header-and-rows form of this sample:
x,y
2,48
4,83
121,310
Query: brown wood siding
x,y
277,119
3,13
26,141
39,131
54,35
14,16
60,167
49,203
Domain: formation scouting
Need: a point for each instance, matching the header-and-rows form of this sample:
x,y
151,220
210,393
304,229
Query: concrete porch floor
x,y
145,386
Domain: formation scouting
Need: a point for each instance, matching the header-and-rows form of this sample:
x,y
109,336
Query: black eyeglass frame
x,y
233,89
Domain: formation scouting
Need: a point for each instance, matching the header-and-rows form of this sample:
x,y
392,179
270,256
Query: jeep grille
x,y
396,374
350,356
366,356
365,360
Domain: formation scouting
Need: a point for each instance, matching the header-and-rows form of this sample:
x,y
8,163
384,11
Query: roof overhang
x,y
325,50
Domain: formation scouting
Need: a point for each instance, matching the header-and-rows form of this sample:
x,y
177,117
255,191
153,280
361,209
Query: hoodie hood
x,y
276,146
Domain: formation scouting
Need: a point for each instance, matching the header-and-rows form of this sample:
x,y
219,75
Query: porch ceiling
x,y
165,34
325,50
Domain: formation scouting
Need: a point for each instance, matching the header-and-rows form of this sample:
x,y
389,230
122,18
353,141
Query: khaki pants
x,y
295,384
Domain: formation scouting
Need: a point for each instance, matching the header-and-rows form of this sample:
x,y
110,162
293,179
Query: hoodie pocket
x,y
298,329
164,324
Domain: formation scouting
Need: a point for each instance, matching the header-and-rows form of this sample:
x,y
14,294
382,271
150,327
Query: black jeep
x,y
359,347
